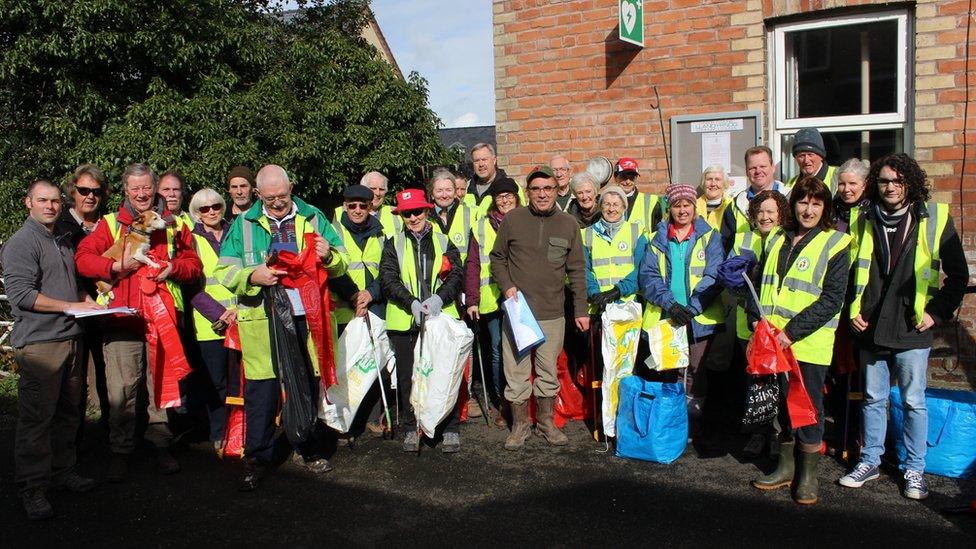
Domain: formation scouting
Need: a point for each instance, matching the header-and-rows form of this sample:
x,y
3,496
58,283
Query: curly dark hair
x,y
785,214
811,186
912,175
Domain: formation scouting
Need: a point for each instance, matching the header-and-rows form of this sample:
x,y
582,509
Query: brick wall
x,y
564,85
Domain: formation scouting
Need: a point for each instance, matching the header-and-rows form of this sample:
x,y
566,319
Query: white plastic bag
x,y
438,368
621,333
669,346
357,369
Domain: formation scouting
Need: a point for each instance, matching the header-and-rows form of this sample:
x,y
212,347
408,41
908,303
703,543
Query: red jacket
x,y
186,264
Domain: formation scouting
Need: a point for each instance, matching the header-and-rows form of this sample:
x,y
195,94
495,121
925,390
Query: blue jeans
x,y
910,368
491,325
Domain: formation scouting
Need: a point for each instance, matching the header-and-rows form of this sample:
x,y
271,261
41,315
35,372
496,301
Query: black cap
x,y
357,192
500,186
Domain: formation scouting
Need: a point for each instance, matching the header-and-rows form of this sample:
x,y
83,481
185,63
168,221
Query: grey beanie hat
x,y
809,140
615,189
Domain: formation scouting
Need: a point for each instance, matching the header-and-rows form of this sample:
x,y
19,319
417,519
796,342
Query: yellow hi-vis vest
x,y
802,285
398,318
111,219
611,262
484,235
696,272
645,204
213,287
460,229
714,217
828,179
746,243
360,261
927,263
391,223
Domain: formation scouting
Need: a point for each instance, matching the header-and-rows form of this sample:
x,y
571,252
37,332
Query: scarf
x,y
891,231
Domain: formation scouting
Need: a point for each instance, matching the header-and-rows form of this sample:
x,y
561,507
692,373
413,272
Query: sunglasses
x,y
215,207
85,191
407,214
353,206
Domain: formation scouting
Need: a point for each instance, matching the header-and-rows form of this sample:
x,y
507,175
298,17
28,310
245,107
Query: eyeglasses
x,y
560,169
353,206
215,207
85,191
407,214
896,182
544,189
274,199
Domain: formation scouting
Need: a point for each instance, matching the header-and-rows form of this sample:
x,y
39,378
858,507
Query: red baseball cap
x,y
626,165
411,199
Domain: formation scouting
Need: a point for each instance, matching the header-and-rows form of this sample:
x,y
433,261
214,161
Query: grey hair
x,y
92,171
479,146
270,171
581,178
367,175
714,168
859,168
437,175
139,169
205,197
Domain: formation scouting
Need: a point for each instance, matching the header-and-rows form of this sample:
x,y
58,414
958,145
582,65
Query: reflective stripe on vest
x,y
828,179
713,313
489,291
643,211
612,261
927,264
458,234
397,318
782,299
744,243
360,261
213,288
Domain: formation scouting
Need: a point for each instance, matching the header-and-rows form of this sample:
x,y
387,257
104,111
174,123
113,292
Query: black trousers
x,y
403,344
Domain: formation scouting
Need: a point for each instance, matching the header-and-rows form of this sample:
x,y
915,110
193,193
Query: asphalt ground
x,y
574,496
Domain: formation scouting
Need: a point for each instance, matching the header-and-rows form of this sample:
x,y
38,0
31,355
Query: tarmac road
x,y
541,496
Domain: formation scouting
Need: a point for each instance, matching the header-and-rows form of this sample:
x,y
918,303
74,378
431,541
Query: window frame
x,y
902,118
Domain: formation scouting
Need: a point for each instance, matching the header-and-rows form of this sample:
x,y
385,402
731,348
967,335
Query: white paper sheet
x,y
78,313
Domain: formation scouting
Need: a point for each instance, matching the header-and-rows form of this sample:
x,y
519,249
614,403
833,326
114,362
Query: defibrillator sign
x,y
632,22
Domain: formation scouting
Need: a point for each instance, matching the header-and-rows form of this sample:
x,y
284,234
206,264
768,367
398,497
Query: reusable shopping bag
x,y
951,438
438,367
620,335
669,346
652,420
762,400
358,362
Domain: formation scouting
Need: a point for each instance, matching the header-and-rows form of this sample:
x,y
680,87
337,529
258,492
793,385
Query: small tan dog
x,y
135,243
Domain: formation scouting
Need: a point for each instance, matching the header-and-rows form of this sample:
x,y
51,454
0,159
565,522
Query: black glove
x,y
602,299
680,315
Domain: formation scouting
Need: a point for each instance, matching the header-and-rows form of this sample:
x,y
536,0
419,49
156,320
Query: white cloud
x,y
466,119
449,42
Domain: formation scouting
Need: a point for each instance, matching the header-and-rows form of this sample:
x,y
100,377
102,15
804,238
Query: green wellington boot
x,y
807,484
783,475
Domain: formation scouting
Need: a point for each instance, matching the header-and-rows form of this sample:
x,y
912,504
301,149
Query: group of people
x,y
846,261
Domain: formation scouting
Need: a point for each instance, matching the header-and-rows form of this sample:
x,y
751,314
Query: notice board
x,y
721,138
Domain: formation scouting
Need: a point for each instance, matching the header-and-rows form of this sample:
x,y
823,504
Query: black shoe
x,y
318,466
166,463
73,482
118,468
755,447
254,471
36,504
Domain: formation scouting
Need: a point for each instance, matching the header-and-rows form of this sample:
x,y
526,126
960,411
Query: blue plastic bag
x,y
952,431
652,420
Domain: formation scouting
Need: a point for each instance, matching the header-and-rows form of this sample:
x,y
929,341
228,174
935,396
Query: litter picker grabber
x,y
388,428
476,352
595,383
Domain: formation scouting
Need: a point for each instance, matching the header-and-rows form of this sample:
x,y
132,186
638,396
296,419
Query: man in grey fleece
x,y
536,248
39,275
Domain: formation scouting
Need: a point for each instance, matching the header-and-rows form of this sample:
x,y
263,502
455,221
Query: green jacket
x,y
243,249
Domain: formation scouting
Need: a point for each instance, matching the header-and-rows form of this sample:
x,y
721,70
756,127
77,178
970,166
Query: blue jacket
x,y
628,285
656,286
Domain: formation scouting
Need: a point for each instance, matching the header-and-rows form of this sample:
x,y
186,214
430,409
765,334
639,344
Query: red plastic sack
x,y
765,355
463,394
798,403
164,351
570,403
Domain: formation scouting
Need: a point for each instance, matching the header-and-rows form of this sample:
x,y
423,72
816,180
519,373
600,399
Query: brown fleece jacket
x,y
535,252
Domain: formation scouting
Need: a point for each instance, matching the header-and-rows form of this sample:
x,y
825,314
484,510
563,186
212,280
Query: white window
x,y
849,77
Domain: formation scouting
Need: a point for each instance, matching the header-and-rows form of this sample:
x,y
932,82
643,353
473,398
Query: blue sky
x,y
450,44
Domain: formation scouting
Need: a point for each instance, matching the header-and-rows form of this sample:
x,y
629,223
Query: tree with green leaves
x,y
200,86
